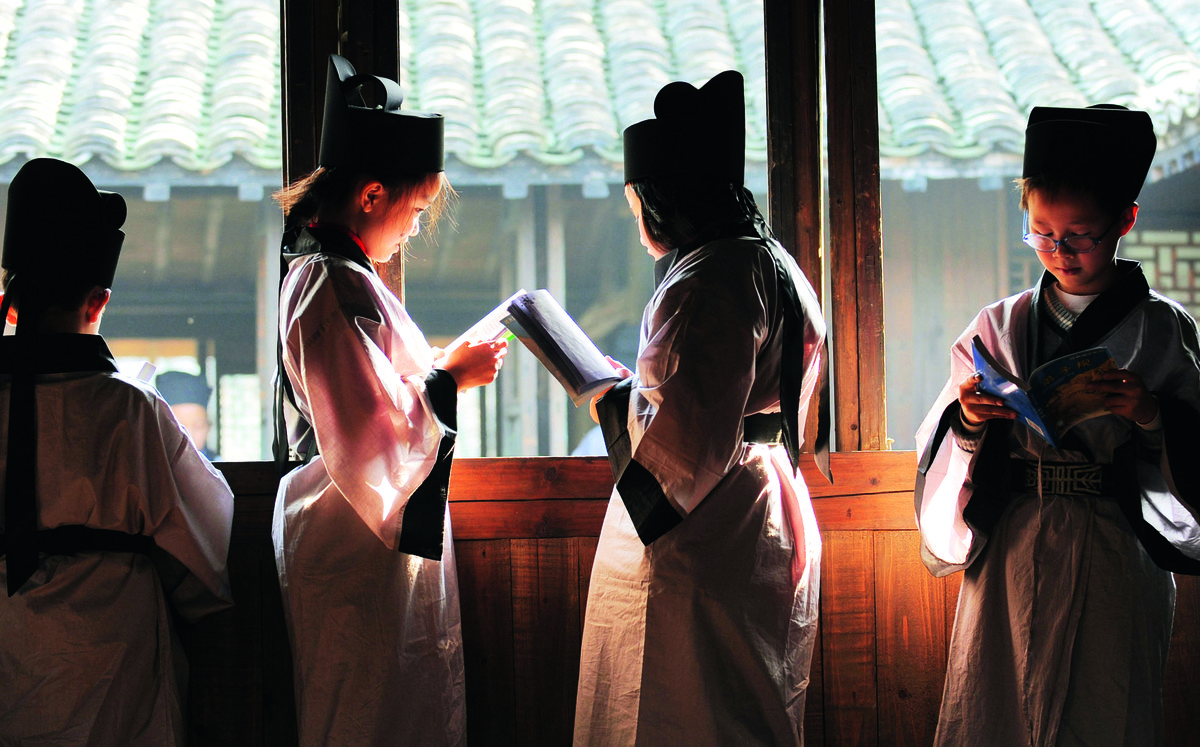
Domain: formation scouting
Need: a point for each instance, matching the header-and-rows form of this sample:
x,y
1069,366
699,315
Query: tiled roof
x,y
133,82
193,85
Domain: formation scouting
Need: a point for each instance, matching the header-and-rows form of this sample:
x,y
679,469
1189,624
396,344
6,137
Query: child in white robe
x,y
362,535
110,512
1065,611
702,609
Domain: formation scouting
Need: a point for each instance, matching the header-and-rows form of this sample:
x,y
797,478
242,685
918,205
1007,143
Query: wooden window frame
x,y
796,33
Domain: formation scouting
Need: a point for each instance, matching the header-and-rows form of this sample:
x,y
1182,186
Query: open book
x,y
543,326
1054,400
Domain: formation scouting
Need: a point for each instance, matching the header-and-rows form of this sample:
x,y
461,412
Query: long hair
x,y
328,190
676,210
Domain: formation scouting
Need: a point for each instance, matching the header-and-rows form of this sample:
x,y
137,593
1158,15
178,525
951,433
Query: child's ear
x,y
371,195
95,303
1129,218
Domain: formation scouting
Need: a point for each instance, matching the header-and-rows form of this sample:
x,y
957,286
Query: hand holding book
x,y
549,332
1059,394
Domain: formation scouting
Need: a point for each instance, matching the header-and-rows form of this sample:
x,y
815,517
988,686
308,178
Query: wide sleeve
x,y
943,484
1168,472
675,429
192,536
379,412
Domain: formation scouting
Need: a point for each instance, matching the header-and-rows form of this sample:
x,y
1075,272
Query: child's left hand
x,y
1126,395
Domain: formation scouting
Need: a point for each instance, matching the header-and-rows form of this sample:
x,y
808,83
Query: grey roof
x,y
189,89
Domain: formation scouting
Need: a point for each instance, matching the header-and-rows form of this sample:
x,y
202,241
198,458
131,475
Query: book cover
x,y
1054,399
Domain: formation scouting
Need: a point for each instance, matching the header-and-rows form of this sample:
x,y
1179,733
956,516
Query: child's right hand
x,y
977,406
475,364
622,371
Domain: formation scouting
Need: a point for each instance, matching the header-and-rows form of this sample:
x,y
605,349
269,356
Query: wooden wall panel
x,y
485,592
1181,691
848,638
239,660
876,675
814,698
546,636
911,641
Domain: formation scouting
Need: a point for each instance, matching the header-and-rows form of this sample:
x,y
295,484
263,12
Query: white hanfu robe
x,y
704,635
87,653
1065,611
375,632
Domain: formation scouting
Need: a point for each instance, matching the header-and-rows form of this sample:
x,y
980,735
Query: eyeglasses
x,y
1080,244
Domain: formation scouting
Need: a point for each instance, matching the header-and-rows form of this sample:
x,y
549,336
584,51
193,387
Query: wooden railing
x,y
525,537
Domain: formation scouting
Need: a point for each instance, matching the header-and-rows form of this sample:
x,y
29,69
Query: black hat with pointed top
x,y
695,131
1106,144
363,126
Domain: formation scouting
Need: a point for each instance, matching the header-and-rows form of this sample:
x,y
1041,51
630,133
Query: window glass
x,y
956,84
536,95
174,104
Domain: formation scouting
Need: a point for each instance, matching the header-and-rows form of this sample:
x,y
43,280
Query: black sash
x,y
24,356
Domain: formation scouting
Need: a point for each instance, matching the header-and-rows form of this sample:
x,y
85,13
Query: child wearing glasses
x,y
1067,596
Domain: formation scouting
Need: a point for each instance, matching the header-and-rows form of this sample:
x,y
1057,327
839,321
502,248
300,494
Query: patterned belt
x,y
1062,478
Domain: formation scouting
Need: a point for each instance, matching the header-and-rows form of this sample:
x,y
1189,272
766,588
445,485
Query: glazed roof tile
x,y
195,83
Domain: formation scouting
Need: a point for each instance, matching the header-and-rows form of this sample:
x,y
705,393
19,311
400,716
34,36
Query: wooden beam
x,y
856,250
874,474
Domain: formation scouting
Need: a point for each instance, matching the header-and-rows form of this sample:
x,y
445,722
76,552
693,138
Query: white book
x,y
555,339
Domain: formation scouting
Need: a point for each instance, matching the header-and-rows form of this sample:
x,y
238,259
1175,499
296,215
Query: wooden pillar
x,y
793,51
855,242
366,34
792,36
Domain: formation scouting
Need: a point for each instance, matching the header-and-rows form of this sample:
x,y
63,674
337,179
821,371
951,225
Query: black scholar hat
x,y
376,136
1106,143
694,132
181,388
59,225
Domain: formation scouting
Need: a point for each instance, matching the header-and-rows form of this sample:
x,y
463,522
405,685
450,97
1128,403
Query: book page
x,y
543,326
1060,386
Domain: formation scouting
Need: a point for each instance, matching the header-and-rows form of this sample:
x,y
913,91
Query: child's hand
x,y
476,363
1126,395
622,371
978,406
619,367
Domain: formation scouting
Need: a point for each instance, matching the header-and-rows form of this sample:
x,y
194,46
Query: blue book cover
x,y
1055,398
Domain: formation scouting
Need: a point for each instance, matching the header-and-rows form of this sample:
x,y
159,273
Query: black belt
x,y
763,428
1062,478
74,539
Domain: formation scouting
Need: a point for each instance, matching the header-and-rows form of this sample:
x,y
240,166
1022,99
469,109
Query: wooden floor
x,y
525,537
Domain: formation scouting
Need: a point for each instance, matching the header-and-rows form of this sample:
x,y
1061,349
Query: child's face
x,y
635,207
1067,215
387,230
